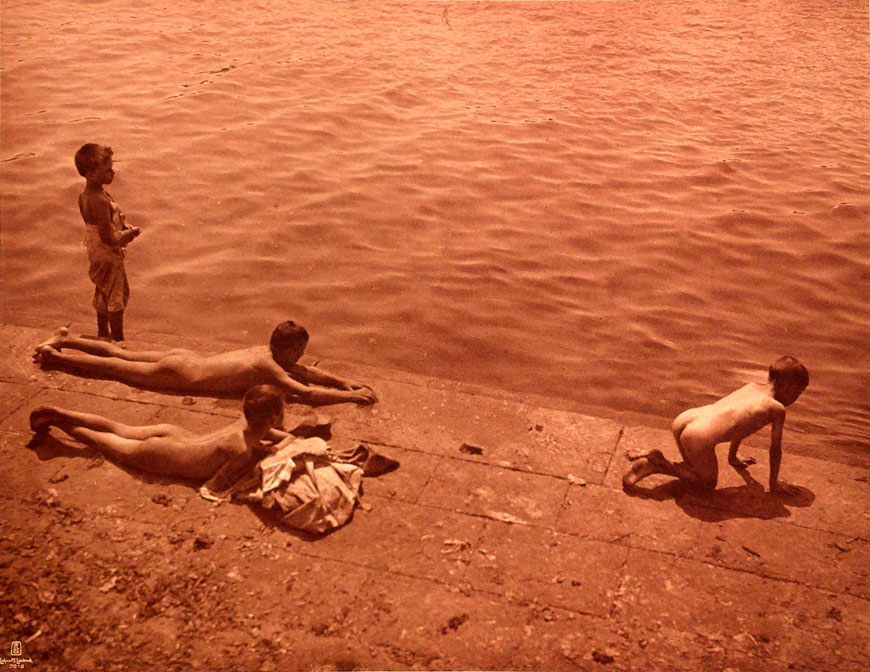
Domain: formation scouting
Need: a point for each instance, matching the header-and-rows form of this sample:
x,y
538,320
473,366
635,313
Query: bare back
x,y
734,416
201,456
227,372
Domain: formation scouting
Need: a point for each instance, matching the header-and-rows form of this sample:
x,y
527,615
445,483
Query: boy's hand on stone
x,y
364,397
353,385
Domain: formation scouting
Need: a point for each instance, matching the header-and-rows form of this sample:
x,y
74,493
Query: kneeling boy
x,y
734,417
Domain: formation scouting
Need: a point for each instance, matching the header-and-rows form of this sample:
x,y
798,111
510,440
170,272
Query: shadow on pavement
x,y
746,501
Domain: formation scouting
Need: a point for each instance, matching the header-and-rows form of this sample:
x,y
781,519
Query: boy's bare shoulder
x,y
93,197
260,358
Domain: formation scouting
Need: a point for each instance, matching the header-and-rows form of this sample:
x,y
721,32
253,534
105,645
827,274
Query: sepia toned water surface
x,y
632,205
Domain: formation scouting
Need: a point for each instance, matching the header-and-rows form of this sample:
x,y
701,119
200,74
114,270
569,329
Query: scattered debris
x,y
162,499
456,545
836,614
33,636
202,542
539,427
751,552
470,449
604,657
454,623
743,636
715,552
108,585
505,517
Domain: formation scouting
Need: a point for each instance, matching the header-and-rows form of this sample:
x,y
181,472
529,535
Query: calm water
x,y
636,205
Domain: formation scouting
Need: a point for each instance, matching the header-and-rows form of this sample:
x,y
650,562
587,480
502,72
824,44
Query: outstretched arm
x,y
317,376
319,396
776,454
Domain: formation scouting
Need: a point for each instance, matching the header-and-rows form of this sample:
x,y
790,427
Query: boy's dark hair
x,y
287,335
89,156
789,370
262,402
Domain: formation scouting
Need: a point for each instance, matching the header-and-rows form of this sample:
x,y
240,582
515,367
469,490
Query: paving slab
x,y
733,609
541,566
834,562
492,430
406,539
495,492
610,515
12,397
407,482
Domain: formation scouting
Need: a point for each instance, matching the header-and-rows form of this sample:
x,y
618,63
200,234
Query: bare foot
x,y
641,468
45,356
54,342
655,457
42,418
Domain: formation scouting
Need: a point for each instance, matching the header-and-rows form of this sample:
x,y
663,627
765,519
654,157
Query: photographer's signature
x,y
17,660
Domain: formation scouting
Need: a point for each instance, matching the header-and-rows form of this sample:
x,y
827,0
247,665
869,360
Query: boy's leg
x,y
103,325
699,469
61,339
116,322
137,373
47,416
157,455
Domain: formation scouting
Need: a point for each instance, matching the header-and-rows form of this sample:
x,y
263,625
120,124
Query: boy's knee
x,y
678,426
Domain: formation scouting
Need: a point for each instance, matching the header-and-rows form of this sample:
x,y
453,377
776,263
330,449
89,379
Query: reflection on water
x,y
636,205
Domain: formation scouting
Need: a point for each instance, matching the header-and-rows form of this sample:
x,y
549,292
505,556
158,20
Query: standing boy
x,y
106,237
734,417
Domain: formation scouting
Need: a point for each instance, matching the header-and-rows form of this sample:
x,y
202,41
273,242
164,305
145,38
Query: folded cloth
x,y
302,483
372,463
